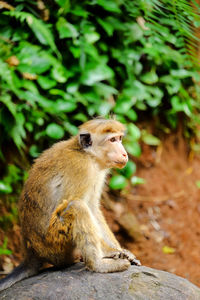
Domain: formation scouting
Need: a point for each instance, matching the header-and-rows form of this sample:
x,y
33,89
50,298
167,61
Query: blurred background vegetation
x,y
63,62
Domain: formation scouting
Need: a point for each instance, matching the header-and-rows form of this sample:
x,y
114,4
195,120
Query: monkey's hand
x,y
124,254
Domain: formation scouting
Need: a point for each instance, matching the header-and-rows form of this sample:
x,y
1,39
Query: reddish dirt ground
x,y
167,208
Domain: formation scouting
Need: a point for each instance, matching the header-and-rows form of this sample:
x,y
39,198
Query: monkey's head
x,y
103,140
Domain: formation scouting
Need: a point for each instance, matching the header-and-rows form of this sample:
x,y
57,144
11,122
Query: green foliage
x,y
13,174
3,248
149,139
88,58
55,131
117,182
128,170
131,141
120,181
186,15
137,180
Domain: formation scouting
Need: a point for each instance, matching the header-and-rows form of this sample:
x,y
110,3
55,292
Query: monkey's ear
x,y
85,140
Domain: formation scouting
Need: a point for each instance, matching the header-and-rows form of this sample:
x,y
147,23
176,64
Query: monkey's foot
x,y
124,254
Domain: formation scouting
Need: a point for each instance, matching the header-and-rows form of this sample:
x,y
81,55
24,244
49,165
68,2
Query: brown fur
x,y
103,126
59,207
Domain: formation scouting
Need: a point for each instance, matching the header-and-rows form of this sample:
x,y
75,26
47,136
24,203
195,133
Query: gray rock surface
x,y
74,283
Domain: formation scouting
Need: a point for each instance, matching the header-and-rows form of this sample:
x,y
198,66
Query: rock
x,y
74,283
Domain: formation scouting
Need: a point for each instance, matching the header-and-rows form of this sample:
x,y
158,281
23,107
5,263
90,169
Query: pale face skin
x,y
109,150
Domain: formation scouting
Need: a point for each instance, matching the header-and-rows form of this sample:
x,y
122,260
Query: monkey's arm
x,y
111,246
108,235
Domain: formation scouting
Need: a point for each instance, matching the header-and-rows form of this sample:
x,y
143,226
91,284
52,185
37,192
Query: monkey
x,y
59,208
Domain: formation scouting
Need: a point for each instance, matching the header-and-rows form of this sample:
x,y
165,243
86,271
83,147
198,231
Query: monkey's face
x,y
113,151
106,148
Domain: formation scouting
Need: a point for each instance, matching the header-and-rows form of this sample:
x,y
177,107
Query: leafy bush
x,y
64,62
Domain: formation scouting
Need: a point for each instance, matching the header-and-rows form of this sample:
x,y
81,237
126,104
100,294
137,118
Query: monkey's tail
x,y
23,271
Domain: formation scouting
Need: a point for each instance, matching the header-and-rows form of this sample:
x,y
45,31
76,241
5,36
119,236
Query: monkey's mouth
x,y
121,163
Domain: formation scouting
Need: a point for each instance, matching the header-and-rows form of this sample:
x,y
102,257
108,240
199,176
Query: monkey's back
x,y
46,186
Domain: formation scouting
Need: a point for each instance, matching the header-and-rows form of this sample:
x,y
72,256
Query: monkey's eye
x,y
120,138
113,139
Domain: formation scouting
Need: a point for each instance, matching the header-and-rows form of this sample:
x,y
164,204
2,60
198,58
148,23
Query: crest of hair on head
x,y
102,126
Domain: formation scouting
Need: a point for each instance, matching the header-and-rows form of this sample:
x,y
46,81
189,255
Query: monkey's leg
x,y
86,235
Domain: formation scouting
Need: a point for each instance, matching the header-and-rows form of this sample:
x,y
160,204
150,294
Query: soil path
x,y
167,208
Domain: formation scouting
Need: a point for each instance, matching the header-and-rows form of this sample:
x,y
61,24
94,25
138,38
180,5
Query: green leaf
x,y
181,105
129,169
5,251
29,126
172,119
64,106
92,37
173,85
137,91
40,121
181,73
109,5
40,29
80,117
45,82
32,59
3,248
121,119
133,148
18,132
64,4
59,73
135,32
34,151
150,139
34,98
95,73
80,11
131,114
66,29
154,95
137,180
72,88
105,90
117,182
123,106
55,131
6,100
57,92
133,131
72,129
107,26
129,97
138,67
5,188
104,108
150,77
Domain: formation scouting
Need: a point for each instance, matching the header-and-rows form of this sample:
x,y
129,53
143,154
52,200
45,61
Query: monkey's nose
x,y
125,156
